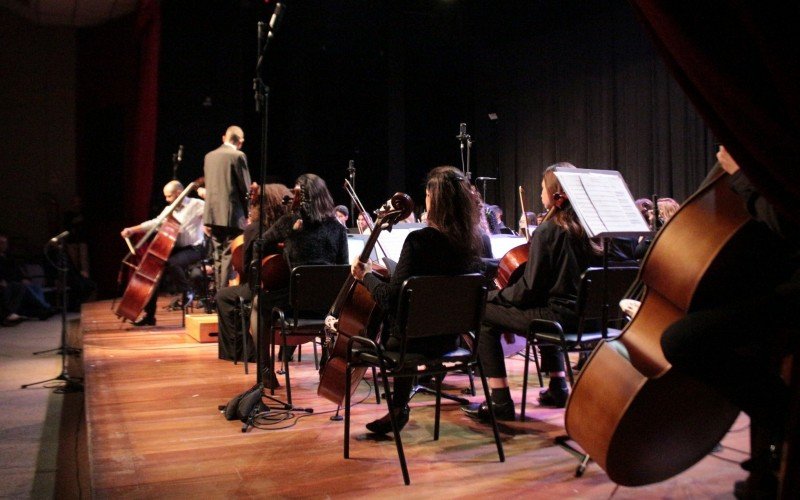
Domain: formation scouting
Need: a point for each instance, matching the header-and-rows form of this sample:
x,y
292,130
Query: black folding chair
x,y
429,306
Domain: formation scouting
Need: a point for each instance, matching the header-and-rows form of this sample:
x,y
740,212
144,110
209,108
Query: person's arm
x,y
279,231
144,226
386,294
242,180
537,270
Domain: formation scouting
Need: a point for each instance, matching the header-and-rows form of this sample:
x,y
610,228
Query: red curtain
x,y
140,144
739,64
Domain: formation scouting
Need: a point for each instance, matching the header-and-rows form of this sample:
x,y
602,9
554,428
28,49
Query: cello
x,y
144,280
641,421
355,311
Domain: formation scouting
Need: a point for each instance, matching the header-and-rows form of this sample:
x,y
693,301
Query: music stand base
x,y
70,384
427,390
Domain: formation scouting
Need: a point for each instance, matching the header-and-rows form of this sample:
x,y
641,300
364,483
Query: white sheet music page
x,y
603,202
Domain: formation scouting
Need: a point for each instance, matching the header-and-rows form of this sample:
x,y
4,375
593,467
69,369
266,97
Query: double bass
x,y
639,419
143,282
355,311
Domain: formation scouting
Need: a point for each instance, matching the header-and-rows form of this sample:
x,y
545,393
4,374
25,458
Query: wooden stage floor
x,y
154,430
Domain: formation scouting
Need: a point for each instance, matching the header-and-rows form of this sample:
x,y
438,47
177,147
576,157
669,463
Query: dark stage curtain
x,y
141,138
739,63
581,82
117,72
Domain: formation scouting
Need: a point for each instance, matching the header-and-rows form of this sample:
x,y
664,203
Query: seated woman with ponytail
x,y
560,251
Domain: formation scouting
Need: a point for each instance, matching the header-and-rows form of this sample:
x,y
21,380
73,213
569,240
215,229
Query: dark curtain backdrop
x,y
385,84
739,62
117,75
580,82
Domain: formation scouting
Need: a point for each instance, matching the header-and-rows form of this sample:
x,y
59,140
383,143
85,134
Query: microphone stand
x,y
466,145
262,107
70,384
177,159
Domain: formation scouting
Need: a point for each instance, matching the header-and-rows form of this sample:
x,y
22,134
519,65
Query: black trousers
x,y
231,345
221,238
175,271
736,349
499,319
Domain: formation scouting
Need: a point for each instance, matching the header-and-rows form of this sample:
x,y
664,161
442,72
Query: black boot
x,y
384,424
503,407
556,394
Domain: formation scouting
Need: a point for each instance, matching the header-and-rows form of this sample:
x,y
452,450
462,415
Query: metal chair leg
x,y
496,432
525,380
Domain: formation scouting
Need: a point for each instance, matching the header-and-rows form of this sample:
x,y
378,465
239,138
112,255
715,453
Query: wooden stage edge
x,y
154,429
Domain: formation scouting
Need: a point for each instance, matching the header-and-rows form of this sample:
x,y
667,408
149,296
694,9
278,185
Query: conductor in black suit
x,y
227,179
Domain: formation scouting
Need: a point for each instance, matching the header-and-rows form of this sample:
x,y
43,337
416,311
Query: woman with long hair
x,y
450,245
311,235
230,341
560,251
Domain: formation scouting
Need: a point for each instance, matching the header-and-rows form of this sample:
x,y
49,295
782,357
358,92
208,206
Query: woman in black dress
x,y
559,252
450,245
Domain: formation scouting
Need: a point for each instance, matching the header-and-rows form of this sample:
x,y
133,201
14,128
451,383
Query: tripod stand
x,y
70,384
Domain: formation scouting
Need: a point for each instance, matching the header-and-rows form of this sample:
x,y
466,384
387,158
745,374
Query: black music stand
x,y
70,384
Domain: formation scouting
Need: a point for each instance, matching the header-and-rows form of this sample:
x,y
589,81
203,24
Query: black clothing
x,y
547,289
426,252
735,347
321,243
230,337
175,273
314,244
227,181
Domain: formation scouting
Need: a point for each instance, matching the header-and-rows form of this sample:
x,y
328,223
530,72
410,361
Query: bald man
x,y
188,247
227,187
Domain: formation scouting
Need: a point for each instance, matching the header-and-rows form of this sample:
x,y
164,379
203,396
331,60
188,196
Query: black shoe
x,y
553,398
502,411
146,321
384,424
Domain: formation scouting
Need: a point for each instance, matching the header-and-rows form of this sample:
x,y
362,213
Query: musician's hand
x,y
360,269
726,160
126,232
298,225
201,192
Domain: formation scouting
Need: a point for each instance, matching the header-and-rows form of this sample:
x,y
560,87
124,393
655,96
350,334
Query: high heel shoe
x,y
384,424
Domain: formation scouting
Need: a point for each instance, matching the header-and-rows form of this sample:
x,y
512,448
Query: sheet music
x,y
392,241
603,202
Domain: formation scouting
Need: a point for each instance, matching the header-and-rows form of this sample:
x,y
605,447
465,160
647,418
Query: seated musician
x,y
188,247
450,245
667,207
230,339
735,347
311,235
342,214
559,252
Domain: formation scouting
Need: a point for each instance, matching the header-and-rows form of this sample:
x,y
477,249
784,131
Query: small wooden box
x,y
202,327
